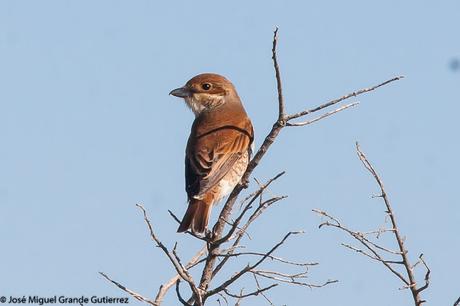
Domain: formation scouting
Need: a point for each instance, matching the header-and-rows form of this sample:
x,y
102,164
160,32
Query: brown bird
x,y
218,148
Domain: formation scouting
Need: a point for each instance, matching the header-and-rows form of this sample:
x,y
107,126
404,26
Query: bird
x,y
218,149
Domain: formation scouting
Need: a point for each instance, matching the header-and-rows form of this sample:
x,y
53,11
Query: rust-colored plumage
x,y
218,148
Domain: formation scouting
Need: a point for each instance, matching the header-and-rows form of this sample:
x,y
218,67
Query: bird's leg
x,y
208,234
244,183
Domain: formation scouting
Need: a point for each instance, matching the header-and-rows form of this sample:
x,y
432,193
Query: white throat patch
x,y
198,107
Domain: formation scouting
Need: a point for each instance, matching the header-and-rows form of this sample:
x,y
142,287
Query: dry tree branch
x,y
226,301
257,194
249,268
275,258
135,295
345,97
427,274
285,275
257,212
280,123
174,259
375,249
256,292
179,296
371,256
261,293
216,239
166,286
375,255
290,279
279,86
322,116
409,270
457,302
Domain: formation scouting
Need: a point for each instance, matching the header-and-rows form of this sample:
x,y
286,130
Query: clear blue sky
x,y
88,130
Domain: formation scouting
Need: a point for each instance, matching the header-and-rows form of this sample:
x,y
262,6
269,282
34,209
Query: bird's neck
x,y
224,115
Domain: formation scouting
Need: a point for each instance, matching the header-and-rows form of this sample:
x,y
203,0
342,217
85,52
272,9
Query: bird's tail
x,y
197,216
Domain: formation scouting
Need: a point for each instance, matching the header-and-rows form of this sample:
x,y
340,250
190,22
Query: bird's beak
x,y
181,92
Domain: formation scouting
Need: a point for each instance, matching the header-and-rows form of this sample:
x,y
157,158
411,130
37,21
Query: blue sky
x,y
88,130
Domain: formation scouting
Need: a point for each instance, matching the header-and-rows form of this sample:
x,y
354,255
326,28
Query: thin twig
x,y
248,268
292,281
345,97
259,287
183,273
179,296
209,271
409,278
457,302
300,275
275,258
257,212
427,274
216,238
166,286
344,107
410,273
247,207
135,295
281,111
363,241
369,255
256,292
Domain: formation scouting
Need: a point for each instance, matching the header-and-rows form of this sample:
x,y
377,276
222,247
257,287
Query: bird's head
x,y
206,92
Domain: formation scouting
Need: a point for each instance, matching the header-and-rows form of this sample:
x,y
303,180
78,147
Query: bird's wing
x,y
209,159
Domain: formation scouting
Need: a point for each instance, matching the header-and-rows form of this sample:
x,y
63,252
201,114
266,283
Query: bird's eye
x,y
206,86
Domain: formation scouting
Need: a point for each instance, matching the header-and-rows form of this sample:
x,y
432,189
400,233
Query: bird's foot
x,y
208,234
244,183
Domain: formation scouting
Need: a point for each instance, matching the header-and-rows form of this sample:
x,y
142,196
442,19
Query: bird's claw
x,y
208,234
244,183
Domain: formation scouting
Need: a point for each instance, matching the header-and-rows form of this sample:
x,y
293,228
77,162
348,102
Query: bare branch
x,y
379,232
166,286
249,267
290,280
323,115
258,287
427,274
363,241
457,302
369,255
285,275
135,295
410,273
374,248
179,296
345,97
173,258
281,111
257,212
256,195
256,292
209,271
224,298
238,228
275,258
